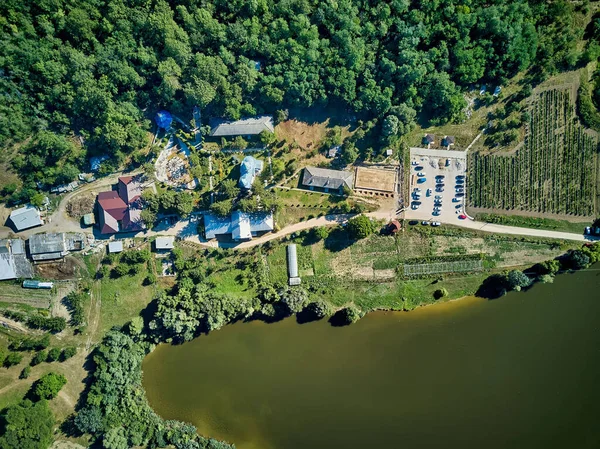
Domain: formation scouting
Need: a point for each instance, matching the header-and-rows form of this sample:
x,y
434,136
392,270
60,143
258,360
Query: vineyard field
x,y
555,171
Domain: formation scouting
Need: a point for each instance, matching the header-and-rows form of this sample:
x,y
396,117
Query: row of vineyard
x,y
554,171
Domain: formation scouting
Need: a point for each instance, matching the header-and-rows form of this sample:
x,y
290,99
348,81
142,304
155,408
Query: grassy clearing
x,y
534,222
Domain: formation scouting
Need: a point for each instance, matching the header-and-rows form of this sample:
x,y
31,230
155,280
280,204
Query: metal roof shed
x,y
25,217
115,247
164,242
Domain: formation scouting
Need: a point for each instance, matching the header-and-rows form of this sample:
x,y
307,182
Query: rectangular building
x,y
13,260
25,217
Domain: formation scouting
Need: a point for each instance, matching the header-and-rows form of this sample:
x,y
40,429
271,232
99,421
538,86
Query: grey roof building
x,y
324,178
246,127
53,246
241,225
13,260
25,217
115,247
163,243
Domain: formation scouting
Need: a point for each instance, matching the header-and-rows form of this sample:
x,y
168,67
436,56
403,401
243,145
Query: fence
x,y
443,267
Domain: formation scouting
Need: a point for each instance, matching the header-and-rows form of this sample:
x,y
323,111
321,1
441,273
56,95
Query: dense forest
x,y
99,70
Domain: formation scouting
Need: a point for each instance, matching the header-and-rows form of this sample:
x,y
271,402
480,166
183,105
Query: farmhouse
x,y
25,217
248,127
13,260
327,180
43,247
249,170
428,139
241,225
120,210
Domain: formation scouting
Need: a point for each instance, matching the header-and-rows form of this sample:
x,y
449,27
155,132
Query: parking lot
x,y
440,177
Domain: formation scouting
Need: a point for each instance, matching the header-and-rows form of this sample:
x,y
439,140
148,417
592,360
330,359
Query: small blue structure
x,y
250,168
163,119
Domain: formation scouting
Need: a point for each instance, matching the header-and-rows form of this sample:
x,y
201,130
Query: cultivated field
x,y
555,171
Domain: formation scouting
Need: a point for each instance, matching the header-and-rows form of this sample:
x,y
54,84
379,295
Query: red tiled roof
x,y
120,210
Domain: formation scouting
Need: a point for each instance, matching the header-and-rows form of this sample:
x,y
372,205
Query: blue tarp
x,y
248,171
163,119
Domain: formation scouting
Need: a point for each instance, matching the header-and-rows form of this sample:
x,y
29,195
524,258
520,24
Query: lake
x,y
522,371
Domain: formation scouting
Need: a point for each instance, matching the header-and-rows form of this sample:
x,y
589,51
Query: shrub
x,y
40,357
25,372
49,385
516,280
345,316
440,293
53,355
67,353
150,279
12,359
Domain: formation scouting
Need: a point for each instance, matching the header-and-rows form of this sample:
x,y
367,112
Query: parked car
x,y
439,189
456,200
421,174
435,223
413,222
424,223
438,197
458,206
460,176
414,163
417,189
460,181
460,194
429,191
418,168
462,216
421,180
436,213
440,177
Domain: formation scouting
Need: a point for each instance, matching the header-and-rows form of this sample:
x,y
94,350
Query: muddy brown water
x,y
522,371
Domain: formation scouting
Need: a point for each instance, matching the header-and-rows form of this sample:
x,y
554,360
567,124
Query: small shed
x,y
89,219
164,243
389,152
37,284
334,152
115,247
292,260
394,226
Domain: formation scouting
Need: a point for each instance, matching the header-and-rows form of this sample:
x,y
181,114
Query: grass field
x,y
533,222
553,172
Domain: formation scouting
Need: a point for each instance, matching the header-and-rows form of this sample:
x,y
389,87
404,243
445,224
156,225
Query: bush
x,y
120,270
74,302
12,359
150,279
49,386
27,425
54,325
40,357
25,372
53,355
67,353
346,316
516,280
440,293
317,310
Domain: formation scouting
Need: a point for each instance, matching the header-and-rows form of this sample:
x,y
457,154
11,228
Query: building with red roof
x,y
120,210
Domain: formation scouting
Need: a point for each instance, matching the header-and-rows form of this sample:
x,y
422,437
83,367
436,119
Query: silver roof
x,y
245,127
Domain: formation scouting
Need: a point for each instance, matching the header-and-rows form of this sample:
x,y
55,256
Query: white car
x,y
435,223
421,174
438,197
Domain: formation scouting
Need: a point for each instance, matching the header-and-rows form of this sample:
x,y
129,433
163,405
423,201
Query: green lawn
x,y
536,223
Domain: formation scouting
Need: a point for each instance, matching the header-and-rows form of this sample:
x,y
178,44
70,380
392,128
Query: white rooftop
x,y
115,247
25,217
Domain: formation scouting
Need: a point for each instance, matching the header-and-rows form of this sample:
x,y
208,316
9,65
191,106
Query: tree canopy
x,y
83,77
27,425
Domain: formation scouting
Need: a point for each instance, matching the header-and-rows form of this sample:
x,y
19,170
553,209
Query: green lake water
x,y
522,371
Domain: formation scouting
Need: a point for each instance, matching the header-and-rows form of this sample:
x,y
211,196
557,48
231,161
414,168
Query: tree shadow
x,y
338,240
338,319
493,287
305,316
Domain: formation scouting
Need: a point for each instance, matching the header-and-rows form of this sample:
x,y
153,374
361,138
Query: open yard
x,y
375,179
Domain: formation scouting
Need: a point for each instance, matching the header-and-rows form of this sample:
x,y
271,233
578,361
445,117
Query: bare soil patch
x,y
375,179
61,270
80,205
307,136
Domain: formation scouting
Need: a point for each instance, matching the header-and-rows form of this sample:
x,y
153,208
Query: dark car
x,y
440,184
440,189
413,222
460,181
460,194
460,176
419,168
